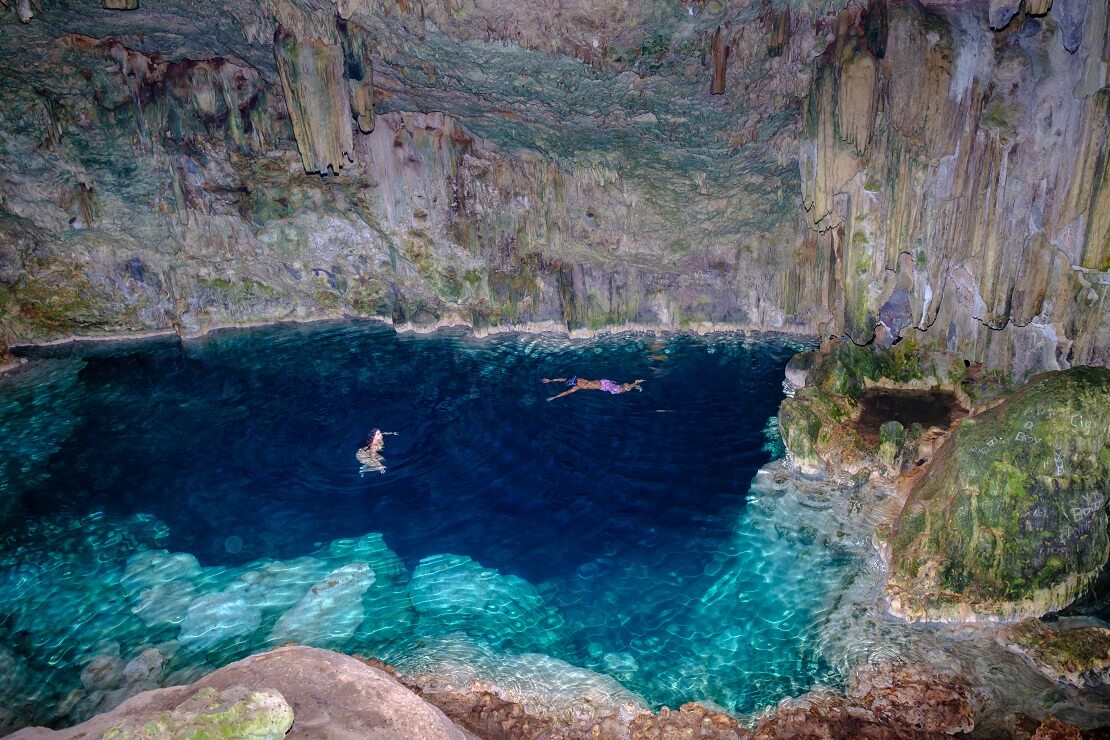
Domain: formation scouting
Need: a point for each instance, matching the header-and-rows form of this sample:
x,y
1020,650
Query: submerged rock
x,y
452,593
217,618
331,610
1010,521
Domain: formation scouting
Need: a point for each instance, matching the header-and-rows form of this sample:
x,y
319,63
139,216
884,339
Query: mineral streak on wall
x,y
960,174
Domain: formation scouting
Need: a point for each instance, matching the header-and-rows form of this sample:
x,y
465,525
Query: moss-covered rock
x,y
1078,654
1010,521
819,423
892,436
816,429
236,712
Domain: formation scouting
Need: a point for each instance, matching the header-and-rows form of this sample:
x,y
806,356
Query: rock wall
x,y
959,174
808,167
147,186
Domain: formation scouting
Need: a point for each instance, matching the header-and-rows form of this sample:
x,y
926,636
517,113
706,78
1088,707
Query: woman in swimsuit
x,y
576,384
370,454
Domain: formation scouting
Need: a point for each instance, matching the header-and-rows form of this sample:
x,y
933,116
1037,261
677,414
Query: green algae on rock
x,y
235,712
820,423
1072,651
1010,522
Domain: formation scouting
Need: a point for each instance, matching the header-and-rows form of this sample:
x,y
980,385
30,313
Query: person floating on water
x,y
370,454
576,384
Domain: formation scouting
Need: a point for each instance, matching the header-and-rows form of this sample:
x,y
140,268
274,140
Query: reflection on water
x,y
204,500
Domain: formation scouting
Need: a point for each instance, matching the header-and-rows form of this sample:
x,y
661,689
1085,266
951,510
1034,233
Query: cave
x,y
598,368
907,407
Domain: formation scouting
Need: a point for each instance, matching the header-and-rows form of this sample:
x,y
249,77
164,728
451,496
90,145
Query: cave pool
x,y
203,498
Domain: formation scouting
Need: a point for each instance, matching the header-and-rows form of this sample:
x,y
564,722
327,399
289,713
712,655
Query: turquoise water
x,y
201,501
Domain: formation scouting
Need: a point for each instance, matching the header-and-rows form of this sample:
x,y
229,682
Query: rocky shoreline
x,y
303,692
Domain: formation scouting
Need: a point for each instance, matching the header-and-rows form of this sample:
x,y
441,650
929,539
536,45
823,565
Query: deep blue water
x,y
607,531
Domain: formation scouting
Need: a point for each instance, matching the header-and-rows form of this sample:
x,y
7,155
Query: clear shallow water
x,y
204,498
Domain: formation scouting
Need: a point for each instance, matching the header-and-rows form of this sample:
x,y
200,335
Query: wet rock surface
x,y
1010,520
1069,651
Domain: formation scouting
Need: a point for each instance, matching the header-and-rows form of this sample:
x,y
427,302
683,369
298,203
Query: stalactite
x,y
359,72
315,93
776,24
720,50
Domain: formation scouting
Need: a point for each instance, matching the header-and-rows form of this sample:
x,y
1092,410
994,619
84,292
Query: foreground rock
x,y
881,701
1065,652
310,693
1010,521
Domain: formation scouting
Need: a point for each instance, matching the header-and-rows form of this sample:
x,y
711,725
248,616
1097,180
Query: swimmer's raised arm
x,y
554,380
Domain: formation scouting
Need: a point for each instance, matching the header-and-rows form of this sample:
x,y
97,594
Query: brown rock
x,y
883,702
331,695
1054,729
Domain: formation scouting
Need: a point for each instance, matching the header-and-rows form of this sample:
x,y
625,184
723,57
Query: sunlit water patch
x,y
172,507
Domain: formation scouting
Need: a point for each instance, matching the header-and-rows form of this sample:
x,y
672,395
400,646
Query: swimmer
x,y
576,384
370,454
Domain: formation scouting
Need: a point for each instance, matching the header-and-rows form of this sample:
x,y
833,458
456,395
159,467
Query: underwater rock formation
x,y
1010,521
453,593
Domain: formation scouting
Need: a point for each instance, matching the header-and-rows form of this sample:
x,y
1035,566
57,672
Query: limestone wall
x,y
959,173
897,164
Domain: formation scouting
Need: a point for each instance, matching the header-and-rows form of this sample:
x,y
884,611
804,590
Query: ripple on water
x,y
180,494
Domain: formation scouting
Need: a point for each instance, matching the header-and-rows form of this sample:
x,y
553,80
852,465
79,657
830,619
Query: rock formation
x,y
957,175
1070,651
903,167
1010,520
305,692
823,424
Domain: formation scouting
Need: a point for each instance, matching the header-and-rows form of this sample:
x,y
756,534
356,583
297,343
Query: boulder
x,y
892,436
330,695
1010,521
236,712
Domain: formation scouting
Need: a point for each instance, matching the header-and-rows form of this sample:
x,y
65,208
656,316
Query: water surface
x,y
190,496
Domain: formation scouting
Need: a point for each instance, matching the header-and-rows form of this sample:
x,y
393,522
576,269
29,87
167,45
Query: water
x,y
204,499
